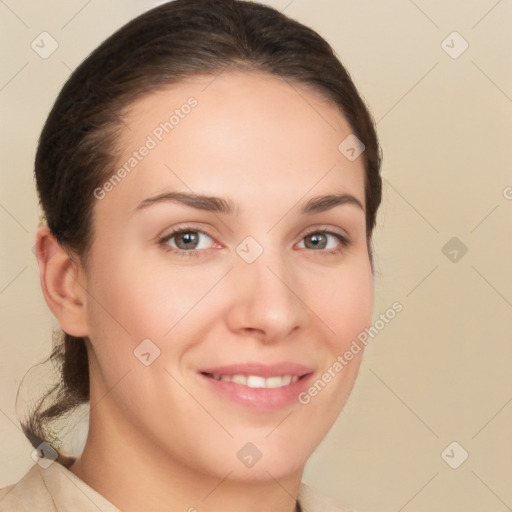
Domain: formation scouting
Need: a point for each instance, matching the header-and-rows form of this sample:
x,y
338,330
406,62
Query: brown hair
x,y
76,151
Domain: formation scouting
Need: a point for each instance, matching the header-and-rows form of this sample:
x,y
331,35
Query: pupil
x,y
317,241
187,240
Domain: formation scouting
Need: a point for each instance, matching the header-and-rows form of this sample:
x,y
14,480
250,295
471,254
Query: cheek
x,y
133,300
124,308
343,300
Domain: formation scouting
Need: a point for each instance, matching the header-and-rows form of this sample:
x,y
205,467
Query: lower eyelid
x,y
343,244
165,240
343,240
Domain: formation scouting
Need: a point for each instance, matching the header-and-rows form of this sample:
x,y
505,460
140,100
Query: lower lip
x,y
259,398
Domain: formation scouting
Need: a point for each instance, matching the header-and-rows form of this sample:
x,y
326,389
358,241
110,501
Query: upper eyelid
x,y
185,229
323,228
342,234
309,231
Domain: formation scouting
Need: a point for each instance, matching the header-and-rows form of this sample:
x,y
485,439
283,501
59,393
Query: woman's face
x,y
209,339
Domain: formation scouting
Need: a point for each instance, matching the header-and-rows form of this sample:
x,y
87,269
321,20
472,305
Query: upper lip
x,y
259,369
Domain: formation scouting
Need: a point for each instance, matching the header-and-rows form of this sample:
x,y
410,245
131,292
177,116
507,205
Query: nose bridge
x,y
274,278
265,299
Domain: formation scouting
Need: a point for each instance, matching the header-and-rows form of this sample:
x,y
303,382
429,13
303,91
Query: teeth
x,y
256,381
274,382
239,379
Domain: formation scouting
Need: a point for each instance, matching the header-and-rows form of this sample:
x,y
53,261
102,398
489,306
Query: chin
x,y
265,472
258,462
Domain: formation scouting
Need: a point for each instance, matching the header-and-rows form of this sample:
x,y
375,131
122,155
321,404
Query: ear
x,y
62,283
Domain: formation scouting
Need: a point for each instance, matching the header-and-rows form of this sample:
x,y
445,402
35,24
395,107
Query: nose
x,y
266,300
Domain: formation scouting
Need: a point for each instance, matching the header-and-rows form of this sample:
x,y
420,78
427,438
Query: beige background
x,y
440,371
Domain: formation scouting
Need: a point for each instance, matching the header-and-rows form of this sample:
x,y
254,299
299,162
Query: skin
x,y
269,148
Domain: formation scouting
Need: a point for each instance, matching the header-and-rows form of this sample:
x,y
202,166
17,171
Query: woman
x,y
210,180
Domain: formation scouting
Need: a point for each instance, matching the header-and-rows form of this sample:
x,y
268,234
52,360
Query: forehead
x,y
243,135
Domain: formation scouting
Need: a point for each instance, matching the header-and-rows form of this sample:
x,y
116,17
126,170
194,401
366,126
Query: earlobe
x,y
61,283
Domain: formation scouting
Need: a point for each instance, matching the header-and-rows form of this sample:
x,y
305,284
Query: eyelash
x,y
344,242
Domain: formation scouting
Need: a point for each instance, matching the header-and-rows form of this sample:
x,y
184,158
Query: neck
x,y
119,464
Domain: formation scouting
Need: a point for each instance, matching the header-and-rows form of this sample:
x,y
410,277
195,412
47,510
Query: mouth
x,y
257,381
257,386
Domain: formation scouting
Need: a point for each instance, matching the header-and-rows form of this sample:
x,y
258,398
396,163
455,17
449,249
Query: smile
x,y
257,381
257,386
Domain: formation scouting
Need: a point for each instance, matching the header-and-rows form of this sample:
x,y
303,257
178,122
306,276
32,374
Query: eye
x,y
324,241
188,240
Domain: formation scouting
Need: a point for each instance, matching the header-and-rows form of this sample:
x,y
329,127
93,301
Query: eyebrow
x,y
199,201
323,203
226,206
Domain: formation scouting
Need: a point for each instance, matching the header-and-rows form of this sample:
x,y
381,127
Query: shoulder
x,y
52,489
29,493
56,488
312,501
